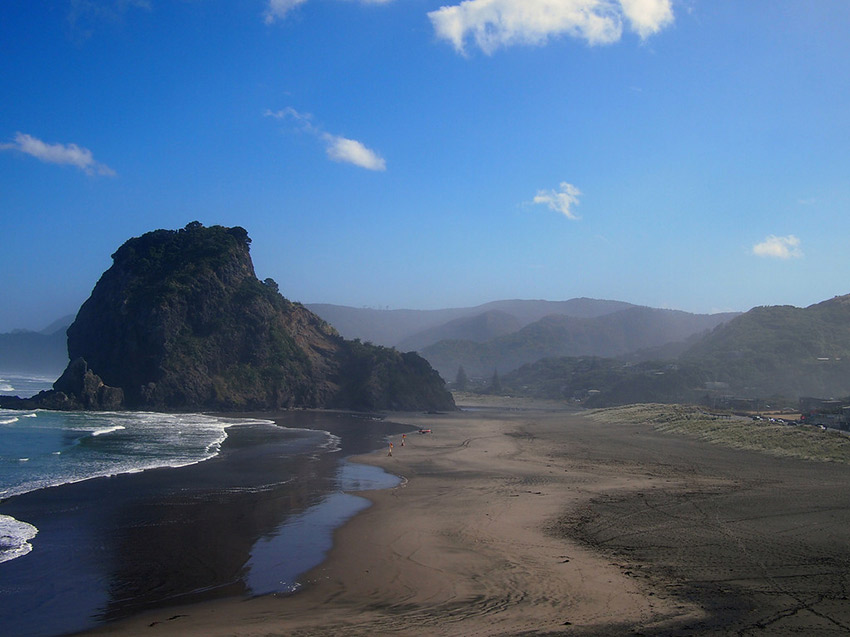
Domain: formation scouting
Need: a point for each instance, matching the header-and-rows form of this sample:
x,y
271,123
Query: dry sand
x,y
525,521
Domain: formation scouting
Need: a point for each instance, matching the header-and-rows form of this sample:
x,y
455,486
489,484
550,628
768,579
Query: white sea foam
x,y
108,430
23,385
51,449
14,538
108,444
333,444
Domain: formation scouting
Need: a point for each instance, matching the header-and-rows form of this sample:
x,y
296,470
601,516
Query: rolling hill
x,y
401,328
610,335
773,354
781,350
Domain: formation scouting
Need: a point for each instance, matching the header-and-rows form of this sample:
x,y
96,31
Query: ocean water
x,y
103,515
41,449
23,385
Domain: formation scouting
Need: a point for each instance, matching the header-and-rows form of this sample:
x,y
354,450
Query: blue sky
x,y
690,154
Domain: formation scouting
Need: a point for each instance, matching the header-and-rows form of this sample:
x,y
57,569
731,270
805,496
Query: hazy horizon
x,y
430,154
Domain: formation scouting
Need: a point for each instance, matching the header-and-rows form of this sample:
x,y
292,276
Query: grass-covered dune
x,y
794,441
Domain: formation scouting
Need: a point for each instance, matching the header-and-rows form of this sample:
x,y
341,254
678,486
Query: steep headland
x,y
181,322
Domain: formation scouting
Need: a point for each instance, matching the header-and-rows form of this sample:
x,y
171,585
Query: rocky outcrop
x,y
181,322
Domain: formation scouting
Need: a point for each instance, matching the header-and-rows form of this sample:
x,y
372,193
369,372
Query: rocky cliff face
x,y
181,322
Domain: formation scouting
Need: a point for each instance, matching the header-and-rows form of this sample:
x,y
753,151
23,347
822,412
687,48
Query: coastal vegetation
x,y
181,322
779,439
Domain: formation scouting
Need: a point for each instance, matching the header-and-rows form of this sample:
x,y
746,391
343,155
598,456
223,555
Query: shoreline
x,y
395,568
112,547
545,522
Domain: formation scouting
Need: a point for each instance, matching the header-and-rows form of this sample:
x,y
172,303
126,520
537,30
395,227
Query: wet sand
x,y
546,522
109,548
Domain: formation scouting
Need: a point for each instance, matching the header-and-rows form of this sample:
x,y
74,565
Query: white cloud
x,y
498,23
647,17
338,148
69,154
353,152
277,9
560,201
779,247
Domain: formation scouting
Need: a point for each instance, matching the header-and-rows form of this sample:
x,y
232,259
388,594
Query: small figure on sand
x,y
424,431
403,436
390,452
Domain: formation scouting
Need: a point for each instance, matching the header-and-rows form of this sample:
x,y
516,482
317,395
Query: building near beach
x,y
825,411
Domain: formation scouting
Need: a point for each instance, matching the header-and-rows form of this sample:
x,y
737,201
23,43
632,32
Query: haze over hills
x,y
610,335
40,352
781,350
394,328
775,353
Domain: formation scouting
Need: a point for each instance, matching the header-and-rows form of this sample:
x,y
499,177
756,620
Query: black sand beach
x,y
547,522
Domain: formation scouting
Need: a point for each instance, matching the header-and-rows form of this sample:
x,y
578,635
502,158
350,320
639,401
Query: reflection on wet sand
x,y
109,548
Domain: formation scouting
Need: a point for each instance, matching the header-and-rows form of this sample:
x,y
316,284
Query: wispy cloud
x,y
85,15
492,24
278,9
337,147
779,247
561,200
69,154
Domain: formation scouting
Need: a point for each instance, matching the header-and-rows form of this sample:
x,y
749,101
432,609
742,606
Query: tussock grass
x,y
792,441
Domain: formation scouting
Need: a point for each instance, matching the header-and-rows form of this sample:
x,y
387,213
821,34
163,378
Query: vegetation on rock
x,y
181,322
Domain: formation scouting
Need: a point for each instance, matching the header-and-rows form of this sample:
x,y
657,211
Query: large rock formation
x,y
181,322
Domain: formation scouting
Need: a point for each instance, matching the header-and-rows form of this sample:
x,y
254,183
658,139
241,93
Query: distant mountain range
x,y
609,336
416,329
36,352
775,354
506,334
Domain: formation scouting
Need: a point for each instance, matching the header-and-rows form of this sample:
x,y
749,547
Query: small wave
x,y
108,430
32,414
149,441
332,444
8,421
6,387
14,538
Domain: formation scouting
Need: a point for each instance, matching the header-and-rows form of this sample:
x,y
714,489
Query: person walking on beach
x,y
390,452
